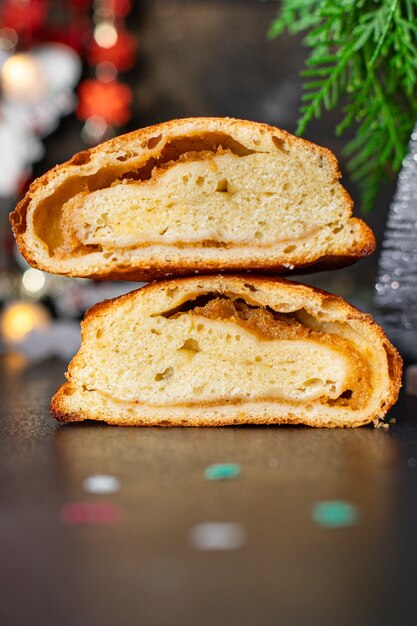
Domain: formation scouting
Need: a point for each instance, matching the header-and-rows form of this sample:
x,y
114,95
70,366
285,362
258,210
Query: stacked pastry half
x,y
221,202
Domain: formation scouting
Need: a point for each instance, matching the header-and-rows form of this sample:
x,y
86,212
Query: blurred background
x,y
74,73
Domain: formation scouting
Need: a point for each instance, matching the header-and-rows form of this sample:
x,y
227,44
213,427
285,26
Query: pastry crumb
x,y
378,423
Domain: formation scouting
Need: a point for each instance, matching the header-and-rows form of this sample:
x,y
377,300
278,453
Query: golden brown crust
x,y
163,270
59,406
172,262
59,412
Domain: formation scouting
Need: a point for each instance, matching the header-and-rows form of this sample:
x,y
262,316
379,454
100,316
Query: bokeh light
x,y
105,34
22,78
19,318
33,280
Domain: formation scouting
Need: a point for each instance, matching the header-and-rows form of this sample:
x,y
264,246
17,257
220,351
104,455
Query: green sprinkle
x,y
222,471
335,514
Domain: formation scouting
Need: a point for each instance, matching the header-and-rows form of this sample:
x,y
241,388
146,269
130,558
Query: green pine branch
x,y
363,54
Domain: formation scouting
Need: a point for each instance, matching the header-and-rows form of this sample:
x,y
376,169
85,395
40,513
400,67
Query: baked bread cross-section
x,y
194,195
210,351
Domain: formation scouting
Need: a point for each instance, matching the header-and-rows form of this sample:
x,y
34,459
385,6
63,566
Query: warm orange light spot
x,y
19,318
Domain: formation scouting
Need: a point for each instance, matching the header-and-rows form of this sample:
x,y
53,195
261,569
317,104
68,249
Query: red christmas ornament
x,y
121,8
73,35
108,100
81,4
122,54
24,16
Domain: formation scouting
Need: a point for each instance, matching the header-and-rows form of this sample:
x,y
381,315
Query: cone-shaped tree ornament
x,y
396,286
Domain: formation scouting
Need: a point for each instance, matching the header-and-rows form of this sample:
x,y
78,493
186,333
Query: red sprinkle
x,y
90,513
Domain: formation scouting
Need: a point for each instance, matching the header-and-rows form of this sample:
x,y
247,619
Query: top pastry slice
x,y
193,195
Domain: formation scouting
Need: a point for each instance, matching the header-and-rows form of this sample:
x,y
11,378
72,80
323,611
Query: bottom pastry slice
x,y
212,351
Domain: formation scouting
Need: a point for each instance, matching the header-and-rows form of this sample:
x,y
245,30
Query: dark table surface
x,y
143,570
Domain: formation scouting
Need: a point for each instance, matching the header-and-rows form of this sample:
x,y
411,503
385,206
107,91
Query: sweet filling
x,y
209,190
223,349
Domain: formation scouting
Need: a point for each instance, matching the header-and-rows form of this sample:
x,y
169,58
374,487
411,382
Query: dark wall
x,y
212,57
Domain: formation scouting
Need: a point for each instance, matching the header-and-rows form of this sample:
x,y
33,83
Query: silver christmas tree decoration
x,y
396,286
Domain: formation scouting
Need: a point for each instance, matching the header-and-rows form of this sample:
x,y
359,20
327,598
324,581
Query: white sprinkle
x,y
217,536
101,483
288,266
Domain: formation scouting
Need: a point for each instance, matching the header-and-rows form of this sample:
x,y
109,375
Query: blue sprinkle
x,y
222,471
335,514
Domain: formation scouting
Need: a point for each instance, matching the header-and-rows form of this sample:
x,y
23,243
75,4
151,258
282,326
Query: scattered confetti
x,y
90,513
101,484
222,471
335,514
412,462
217,536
